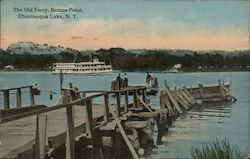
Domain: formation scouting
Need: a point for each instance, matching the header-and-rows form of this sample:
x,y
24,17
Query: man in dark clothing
x,y
118,78
148,78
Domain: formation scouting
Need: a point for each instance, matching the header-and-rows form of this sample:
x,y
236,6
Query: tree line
x,y
121,59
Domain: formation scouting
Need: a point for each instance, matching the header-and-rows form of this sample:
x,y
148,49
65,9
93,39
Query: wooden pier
x,y
177,101
152,87
77,127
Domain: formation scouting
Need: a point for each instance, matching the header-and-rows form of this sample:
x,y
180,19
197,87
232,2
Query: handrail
x,y
109,91
6,96
55,107
2,90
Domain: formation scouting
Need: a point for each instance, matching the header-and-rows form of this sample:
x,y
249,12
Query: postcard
x,y
124,79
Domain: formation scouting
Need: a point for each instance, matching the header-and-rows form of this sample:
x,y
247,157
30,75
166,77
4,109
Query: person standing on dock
x,y
118,79
148,78
125,84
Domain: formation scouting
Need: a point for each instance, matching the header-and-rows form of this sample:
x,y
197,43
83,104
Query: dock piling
x,y
41,127
135,99
118,103
89,126
106,108
6,99
18,98
126,101
32,100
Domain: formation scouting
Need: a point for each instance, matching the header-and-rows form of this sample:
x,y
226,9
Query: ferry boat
x,y
94,66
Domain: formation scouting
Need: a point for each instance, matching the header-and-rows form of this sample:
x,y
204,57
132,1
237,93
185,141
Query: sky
x,y
131,24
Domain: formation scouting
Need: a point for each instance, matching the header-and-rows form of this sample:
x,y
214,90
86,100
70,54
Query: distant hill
x,y
37,49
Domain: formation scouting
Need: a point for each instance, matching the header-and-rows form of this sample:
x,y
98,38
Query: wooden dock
x,y
16,134
58,131
76,127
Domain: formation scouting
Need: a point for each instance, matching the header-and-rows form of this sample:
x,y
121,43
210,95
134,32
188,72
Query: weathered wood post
x,y
166,83
230,86
144,94
176,105
162,104
32,100
89,126
188,94
118,104
124,135
138,97
126,101
106,108
201,91
70,140
41,127
166,101
6,99
18,98
83,94
222,92
135,99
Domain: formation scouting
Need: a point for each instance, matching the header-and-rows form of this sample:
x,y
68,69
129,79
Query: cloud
x,y
155,32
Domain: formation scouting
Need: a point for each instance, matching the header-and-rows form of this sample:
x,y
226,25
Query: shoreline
x,y
143,71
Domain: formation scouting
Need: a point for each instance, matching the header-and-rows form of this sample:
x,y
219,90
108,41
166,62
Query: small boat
x,y
36,90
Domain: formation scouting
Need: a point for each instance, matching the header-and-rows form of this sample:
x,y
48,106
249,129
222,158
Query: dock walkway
x,y
16,134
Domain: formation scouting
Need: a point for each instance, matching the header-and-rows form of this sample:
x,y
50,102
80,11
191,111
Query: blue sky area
x,y
190,24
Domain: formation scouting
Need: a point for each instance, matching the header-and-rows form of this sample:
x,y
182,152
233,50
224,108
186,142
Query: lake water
x,y
192,129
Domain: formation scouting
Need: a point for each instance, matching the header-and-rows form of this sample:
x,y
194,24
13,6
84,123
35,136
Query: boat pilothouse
x,y
94,66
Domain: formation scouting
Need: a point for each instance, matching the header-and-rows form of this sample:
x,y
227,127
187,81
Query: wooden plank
x,y
183,99
6,99
167,103
70,140
136,124
179,100
145,105
148,114
106,108
18,98
189,94
41,127
126,101
228,92
144,94
2,90
14,134
176,105
124,135
201,90
182,92
225,89
162,104
32,100
222,92
17,111
118,103
135,99
14,153
89,125
109,126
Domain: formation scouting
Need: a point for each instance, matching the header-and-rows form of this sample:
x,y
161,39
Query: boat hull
x,y
83,72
